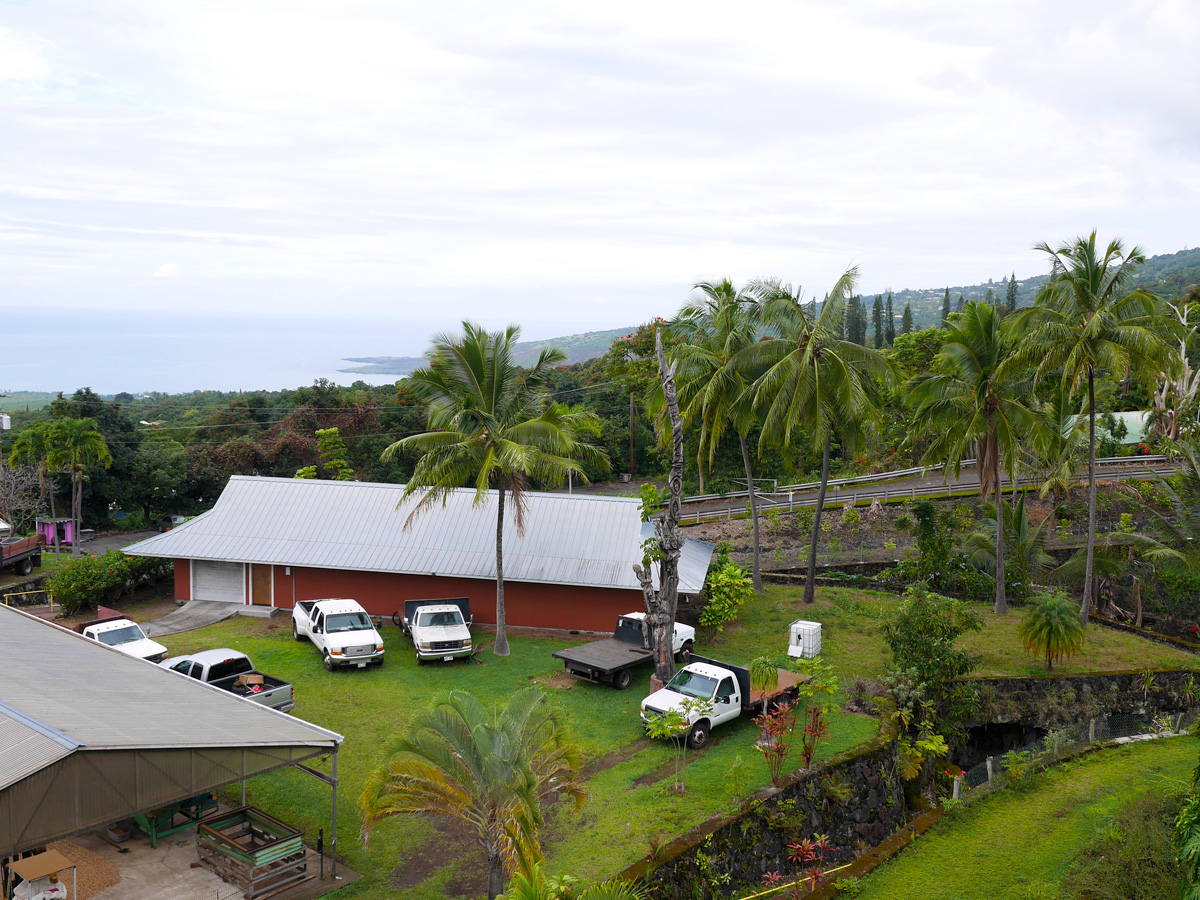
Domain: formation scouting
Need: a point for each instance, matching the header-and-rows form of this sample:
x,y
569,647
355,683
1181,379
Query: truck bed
x,y
605,656
276,693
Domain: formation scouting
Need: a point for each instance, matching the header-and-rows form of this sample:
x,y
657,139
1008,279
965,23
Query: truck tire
x,y
420,660
697,738
296,632
25,566
684,656
327,660
623,679
397,619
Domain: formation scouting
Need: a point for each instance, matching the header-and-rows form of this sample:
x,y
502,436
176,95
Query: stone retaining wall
x,y
1053,700
733,851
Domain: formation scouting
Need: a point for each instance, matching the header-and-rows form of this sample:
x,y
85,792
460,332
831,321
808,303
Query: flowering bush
x,y
91,580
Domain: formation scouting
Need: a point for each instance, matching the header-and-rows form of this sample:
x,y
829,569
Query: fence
x,y
1062,742
8,601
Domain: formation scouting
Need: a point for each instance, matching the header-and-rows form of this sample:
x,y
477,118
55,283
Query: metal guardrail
x,y
868,495
890,476
49,595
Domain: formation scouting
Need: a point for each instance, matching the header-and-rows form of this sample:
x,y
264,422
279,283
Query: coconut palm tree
x,y
1055,446
809,378
970,409
485,766
32,447
492,426
72,446
711,332
1088,318
1051,628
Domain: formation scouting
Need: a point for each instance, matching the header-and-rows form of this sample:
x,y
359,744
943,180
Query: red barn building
x,y
274,541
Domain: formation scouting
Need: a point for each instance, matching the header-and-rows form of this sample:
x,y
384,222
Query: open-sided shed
x,y
90,736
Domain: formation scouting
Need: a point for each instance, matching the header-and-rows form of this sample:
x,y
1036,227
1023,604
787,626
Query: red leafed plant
x,y
777,727
815,729
810,853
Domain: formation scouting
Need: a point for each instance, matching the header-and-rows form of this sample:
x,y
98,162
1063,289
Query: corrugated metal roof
x,y
568,538
101,698
24,750
694,560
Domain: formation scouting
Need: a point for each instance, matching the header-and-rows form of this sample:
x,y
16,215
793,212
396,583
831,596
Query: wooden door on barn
x,y
260,584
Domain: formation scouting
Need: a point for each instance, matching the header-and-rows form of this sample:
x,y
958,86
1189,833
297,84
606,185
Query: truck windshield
x,y
693,684
121,635
347,622
439,619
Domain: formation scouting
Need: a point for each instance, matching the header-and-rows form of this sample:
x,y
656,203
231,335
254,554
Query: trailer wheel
x,y
25,566
697,738
623,679
685,653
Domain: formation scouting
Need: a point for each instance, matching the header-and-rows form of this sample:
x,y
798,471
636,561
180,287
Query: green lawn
x,y
1019,843
627,775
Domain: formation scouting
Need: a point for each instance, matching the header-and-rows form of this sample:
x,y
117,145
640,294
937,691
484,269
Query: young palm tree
x,y
492,425
713,391
970,409
72,446
808,377
32,447
1055,446
487,767
1026,559
1088,319
1051,628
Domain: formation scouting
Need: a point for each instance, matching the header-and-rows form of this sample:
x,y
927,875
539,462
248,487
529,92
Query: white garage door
x,y
218,581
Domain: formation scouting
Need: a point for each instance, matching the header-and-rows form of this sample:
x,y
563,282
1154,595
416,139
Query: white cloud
x,y
168,270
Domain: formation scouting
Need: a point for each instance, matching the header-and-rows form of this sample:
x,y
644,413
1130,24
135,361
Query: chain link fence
x,y
1062,742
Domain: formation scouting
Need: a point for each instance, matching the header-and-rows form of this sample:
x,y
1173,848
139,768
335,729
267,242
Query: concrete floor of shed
x,y
155,874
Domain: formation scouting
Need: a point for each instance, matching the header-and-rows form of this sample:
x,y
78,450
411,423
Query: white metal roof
x,y
568,538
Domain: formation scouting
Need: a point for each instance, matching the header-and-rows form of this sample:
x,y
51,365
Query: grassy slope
x,y
369,707
1019,844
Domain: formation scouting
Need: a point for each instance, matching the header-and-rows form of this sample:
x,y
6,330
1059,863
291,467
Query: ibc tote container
x,y
804,639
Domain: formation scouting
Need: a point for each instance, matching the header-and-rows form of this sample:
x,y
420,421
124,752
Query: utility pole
x,y
631,436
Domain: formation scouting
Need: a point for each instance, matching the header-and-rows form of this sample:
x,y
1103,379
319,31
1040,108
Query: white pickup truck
x,y
232,671
341,630
125,635
724,693
440,629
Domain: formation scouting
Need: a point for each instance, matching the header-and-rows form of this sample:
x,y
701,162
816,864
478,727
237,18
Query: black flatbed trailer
x,y
611,660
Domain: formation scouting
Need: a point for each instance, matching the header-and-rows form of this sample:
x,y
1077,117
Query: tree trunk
x,y
810,578
1001,607
500,648
661,604
1137,601
1085,606
700,468
76,505
54,516
757,574
495,880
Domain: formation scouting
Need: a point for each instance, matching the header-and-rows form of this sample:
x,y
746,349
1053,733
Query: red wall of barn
x,y
531,605
183,579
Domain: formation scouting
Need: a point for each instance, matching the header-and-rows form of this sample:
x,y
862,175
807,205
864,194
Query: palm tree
x,y
1087,319
32,447
711,332
1055,444
1051,628
1026,559
492,425
536,886
72,446
970,408
487,767
808,376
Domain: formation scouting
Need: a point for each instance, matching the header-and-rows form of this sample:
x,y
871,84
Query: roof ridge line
x,y
39,726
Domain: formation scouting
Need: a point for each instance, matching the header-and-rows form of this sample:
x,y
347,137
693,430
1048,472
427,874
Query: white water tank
x,y
804,640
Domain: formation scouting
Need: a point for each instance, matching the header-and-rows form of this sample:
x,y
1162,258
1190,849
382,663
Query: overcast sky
x,y
574,165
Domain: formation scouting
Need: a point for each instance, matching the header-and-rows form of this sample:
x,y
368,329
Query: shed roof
x,y
568,538
74,712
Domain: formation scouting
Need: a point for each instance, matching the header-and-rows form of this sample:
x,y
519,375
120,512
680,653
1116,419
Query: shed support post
x,y
333,843
989,769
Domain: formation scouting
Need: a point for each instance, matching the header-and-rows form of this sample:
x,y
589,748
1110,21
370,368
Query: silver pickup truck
x,y
232,671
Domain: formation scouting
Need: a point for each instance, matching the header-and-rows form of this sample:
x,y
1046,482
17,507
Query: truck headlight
x,y
424,645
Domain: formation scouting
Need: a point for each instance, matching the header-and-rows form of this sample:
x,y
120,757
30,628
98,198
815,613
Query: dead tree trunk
x,y
661,604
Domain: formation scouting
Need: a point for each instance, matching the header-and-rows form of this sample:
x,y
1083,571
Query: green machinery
x,y
165,821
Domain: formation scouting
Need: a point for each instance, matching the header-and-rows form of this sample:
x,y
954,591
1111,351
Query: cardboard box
x,y
250,679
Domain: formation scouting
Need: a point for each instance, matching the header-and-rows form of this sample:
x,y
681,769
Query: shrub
x,y
851,519
91,580
1132,858
805,517
728,588
1126,526
1051,627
